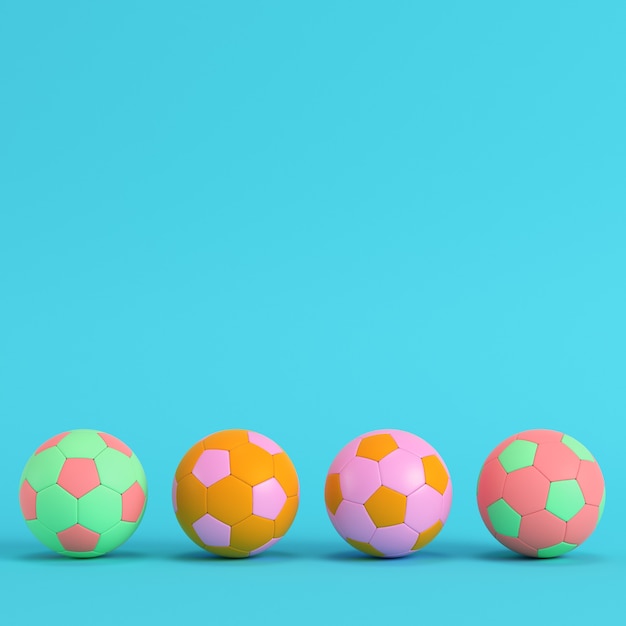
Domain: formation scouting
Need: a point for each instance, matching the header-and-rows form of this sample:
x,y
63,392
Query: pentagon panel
x,y
386,507
518,454
376,447
565,499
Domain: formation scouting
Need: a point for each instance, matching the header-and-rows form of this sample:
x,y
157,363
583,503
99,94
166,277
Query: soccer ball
x,y
83,493
540,493
235,493
388,493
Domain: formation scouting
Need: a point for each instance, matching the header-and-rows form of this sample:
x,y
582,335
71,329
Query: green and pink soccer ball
x,y
83,493
541,493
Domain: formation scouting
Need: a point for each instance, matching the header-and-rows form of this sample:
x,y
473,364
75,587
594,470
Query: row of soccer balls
x,y
388,493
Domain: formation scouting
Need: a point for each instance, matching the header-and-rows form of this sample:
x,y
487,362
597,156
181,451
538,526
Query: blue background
x,y
312,220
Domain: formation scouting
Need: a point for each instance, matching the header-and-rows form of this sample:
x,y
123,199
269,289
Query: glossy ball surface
x,y
388,493
235,493
541,493
83,493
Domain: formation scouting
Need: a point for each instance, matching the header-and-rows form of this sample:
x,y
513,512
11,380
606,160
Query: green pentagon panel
x,y
518,454
45,535
82,444
115,536
140,475
601,509
56,508
116,470
565,499
100,509
556,550
43,469
505,519
577,448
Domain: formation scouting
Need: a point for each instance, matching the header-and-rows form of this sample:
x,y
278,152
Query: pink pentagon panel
x,y
352,522
394,540
516,545
28,501
116,444
541,529
556,461
50,443
499,448
591,482
423,508
402,471
411,443
79,476
212,532
77,538
526,490
359,479
582,524
264,442
347,453
211,466
265,546
268,499
446,503
491,483
133,500
174,490
540,435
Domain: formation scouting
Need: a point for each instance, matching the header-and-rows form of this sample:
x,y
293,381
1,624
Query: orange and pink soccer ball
x,y
541,493
83,493
388,493
235,493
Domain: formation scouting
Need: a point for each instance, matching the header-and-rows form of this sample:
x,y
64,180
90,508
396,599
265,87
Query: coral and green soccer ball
x,y
83,493
541,493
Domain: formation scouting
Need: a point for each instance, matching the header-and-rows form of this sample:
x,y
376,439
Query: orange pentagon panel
x,y
426,536
188,462
251,464
252,533
364,547
225,440
232,553
229,500
285,473
435,473
386,507
376,447
332,493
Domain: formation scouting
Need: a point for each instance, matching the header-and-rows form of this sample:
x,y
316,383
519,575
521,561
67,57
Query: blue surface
x,y
313,221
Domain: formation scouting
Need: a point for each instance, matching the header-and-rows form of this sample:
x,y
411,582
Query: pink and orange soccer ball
x,y
235,493
541,493
83,493
388,493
